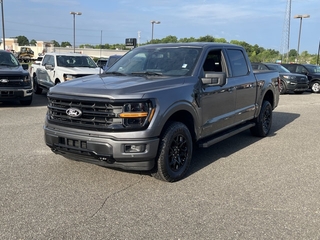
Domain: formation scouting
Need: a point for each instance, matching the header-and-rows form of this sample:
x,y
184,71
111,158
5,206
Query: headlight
x,y
288,77
137,114
26,79
68,77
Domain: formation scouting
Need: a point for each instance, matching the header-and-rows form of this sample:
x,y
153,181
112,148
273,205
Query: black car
x,y
15,81
310,70
101,62
290,82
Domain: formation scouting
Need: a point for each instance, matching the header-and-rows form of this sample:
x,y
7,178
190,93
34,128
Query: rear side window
x,y
239,66
291,68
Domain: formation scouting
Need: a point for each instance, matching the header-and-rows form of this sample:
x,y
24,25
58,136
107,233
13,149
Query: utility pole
x,y
3,35
285,41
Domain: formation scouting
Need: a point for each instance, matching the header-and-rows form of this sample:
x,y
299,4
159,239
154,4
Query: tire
x,y
26,102
283,88
315,86
174,153
263,121
36,88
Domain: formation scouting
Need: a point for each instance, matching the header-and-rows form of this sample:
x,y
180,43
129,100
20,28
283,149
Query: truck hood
x,y
112,86
80,70
5,70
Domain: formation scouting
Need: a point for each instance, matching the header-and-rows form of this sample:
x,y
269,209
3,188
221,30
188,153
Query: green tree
x,y
55,43
87,46
65,44
33,42
169,39
22,41
207,38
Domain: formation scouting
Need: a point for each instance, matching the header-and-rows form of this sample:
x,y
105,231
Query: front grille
x,y
12,81
95,114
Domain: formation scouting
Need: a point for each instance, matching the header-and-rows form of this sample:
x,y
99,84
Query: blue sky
x,y
112,21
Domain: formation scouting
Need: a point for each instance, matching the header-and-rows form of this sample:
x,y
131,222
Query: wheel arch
x,y
184,117
269,96
56,81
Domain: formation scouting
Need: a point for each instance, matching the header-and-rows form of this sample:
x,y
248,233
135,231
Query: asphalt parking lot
x,y
241,188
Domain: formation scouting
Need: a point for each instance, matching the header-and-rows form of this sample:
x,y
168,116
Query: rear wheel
x,y
174,153
263,121
315,86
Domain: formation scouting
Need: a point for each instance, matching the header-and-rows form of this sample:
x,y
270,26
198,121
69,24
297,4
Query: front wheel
x,y
26,102
283,88
263,121
36,88
315,86
174,153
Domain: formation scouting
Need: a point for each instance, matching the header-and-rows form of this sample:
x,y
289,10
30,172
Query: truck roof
x,y
193,44
66,54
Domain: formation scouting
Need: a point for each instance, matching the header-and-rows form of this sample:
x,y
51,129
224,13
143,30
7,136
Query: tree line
x,y
255,52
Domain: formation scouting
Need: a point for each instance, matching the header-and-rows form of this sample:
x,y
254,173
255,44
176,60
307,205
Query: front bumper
x,y
297,87
15,93
101,150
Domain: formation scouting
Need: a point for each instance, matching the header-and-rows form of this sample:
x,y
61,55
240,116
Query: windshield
x,y
313,68
7,59
278,67
75,61
172,61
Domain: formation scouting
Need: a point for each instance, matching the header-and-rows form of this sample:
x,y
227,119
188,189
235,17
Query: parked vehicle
x,y
101,62
310,70
148,110
112,59
290,82
60,67
25,54
15,81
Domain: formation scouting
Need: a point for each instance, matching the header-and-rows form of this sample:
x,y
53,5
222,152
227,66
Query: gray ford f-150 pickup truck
x,y
154,104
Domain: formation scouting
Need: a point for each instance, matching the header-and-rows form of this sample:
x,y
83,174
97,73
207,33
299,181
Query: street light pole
x,y
3,36
300,16
74,29
152,23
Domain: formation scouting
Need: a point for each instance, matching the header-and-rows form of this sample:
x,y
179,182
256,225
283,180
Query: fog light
x,y
134,148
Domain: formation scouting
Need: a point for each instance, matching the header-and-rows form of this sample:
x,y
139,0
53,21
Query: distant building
x,y
40,48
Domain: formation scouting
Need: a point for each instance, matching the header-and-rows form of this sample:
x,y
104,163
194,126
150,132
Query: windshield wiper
x,y
147,73
115,73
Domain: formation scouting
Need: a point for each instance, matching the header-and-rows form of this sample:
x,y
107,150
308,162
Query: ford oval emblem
x,y
73,112
4,80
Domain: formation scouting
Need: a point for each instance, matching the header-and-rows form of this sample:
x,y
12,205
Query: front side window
x,y
239,66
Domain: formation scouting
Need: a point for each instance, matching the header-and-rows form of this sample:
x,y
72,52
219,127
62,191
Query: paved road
x,y
241,188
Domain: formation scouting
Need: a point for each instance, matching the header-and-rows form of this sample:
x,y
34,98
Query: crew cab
x,y
15,81
290,82
149,109
60,67
310,70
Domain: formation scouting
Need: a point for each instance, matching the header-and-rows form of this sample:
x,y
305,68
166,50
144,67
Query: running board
x,y
224,135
